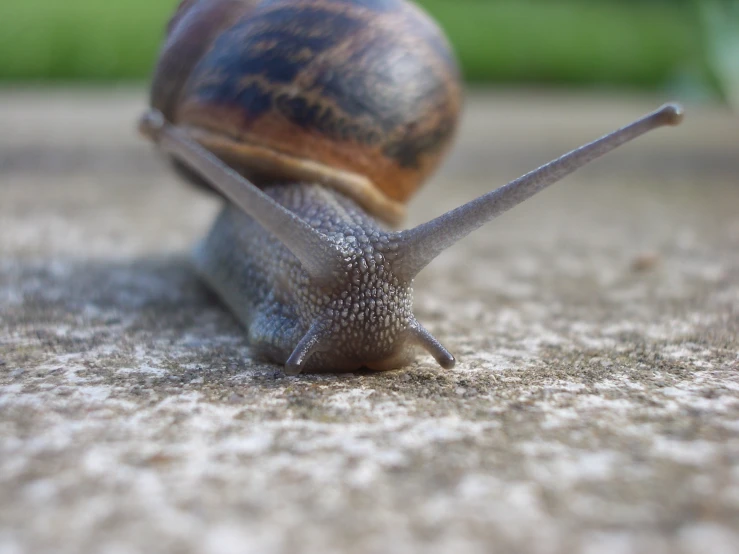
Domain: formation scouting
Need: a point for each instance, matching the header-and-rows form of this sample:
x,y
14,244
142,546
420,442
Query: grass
x,y
568,41
80,39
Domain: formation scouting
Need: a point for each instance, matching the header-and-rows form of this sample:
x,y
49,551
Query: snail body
x,y
367,310
317,120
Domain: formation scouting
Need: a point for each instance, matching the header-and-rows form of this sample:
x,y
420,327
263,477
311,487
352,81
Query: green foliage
x,y
720,26
80,39
568,41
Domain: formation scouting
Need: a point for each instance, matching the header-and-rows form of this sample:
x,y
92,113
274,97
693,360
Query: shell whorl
x,y
360,95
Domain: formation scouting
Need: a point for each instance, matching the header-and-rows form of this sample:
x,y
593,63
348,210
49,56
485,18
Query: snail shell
x,y
359,95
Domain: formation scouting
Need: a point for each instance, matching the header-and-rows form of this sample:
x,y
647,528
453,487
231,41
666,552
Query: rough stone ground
x,y
594,408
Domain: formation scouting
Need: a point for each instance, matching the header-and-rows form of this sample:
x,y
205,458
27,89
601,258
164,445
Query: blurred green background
x,y
689,45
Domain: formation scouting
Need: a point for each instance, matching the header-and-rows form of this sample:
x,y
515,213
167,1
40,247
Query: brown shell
x,y
362,95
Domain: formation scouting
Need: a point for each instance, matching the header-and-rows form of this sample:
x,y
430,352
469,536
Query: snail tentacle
x,y
422,244
320,256
426,340
309,344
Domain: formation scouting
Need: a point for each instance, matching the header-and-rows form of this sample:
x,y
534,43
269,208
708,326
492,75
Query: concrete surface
x,y
594,408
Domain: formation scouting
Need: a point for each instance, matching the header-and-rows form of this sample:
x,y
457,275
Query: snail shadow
x,y
150,314
47,290
139,310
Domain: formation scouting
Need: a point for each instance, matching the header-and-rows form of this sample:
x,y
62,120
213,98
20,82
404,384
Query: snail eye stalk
x,y
423,243
318,255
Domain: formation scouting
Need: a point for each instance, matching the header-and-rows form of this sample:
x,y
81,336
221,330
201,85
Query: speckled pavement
x,y
594,407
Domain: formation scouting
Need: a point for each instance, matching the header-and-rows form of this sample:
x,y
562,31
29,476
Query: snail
x,y
317,120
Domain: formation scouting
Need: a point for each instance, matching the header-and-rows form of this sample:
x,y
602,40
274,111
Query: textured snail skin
x,y
366,311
